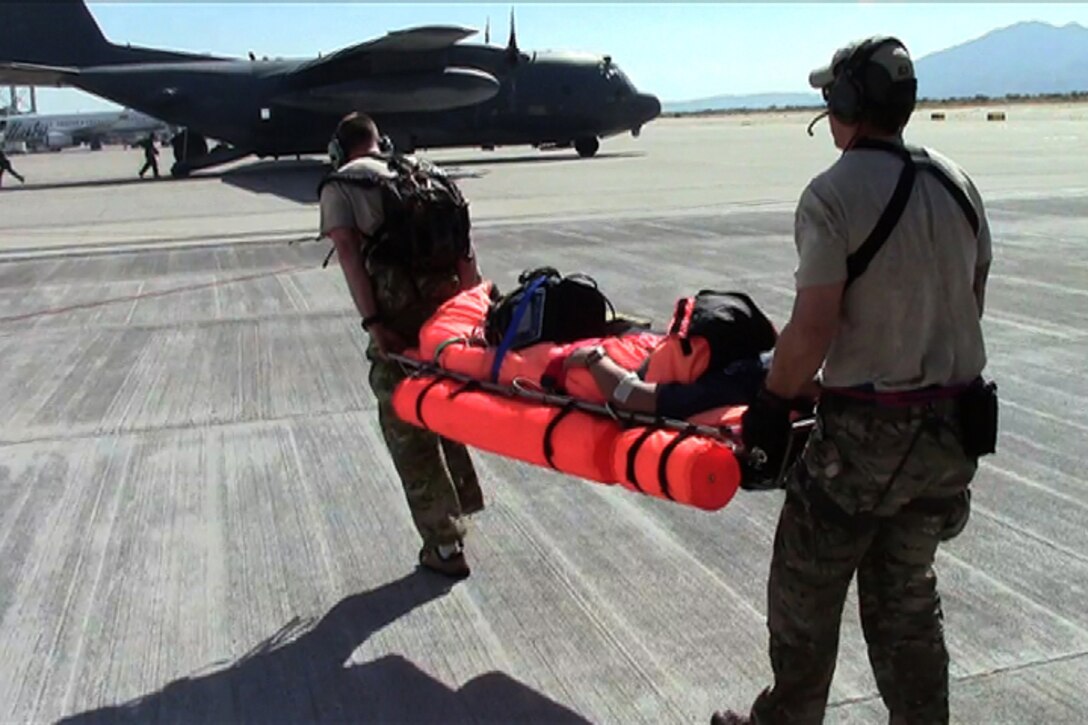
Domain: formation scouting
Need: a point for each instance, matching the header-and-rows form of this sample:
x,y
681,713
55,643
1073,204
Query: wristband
x,y
368,321
625,387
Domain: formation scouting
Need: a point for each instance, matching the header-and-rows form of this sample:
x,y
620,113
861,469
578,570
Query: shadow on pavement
x,y
302,674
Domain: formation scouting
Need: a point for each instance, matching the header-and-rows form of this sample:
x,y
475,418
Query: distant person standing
x,y
5,165
150,154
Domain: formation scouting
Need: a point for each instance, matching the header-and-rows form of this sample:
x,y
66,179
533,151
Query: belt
x,y
867,395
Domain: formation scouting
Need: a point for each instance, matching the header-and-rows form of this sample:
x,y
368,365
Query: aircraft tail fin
x,y
52,33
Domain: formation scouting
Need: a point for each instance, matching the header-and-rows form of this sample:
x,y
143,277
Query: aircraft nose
x,y
647,107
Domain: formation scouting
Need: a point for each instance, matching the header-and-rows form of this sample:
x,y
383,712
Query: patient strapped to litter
x,y
692,380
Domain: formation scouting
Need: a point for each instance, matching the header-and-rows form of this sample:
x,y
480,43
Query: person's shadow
x,y
308,678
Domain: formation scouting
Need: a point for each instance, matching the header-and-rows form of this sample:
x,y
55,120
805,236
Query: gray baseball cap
x,y
892,56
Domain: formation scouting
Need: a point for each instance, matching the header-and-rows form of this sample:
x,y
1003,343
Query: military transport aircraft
x,y
424,88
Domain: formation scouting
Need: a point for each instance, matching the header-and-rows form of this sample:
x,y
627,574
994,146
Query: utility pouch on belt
x,y
978,418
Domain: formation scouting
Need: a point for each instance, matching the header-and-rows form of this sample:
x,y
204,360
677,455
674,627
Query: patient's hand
x,y
580,357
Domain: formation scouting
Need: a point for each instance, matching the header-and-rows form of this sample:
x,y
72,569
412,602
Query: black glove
x,y
765,431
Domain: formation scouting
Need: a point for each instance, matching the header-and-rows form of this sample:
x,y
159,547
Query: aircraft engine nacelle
x,y
427,91
57,140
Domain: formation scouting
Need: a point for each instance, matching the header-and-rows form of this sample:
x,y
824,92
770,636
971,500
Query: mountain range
x,y
1029,58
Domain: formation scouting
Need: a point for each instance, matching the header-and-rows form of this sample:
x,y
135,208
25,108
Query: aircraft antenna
x,y
512,44
487,31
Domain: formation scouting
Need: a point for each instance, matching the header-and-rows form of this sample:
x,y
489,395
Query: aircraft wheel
x,y
179,170
587,146
188,145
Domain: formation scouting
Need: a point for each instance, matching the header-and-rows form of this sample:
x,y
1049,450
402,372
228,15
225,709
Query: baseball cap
x,y
893,57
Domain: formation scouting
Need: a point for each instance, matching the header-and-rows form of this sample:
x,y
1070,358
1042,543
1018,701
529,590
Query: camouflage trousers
x,y
875,491
437,474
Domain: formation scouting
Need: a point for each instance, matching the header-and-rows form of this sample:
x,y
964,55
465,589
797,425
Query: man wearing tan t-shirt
x,y
884,477
395,299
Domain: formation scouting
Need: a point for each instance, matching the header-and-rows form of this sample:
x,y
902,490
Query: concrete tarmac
x,y
199,522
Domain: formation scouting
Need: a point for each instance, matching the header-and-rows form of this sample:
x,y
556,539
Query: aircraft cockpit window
x,y
622,87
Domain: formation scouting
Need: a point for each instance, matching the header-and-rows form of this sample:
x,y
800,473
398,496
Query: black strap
x,y
549,447
678,315
632,454
419,401
913,159
465,387
957,194
858,262
663,464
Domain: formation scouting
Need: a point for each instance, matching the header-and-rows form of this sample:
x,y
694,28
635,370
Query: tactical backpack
x,y
425,225
708,332
546,306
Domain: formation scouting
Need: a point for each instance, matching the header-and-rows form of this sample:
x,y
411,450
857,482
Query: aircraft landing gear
x,y
187,147
586,146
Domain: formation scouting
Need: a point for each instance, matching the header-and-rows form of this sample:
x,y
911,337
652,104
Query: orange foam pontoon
x,y
564,439
677,465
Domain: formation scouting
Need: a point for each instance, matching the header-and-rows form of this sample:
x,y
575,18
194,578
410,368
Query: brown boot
x,y
454,566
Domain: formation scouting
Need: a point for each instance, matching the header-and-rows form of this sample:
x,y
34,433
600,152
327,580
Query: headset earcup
x,y
843,99
336,152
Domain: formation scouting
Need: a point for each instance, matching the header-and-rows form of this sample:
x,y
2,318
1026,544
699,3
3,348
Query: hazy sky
x,y
677,51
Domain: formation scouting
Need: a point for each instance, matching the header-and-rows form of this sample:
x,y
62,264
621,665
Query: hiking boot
x,y
454,566
729,718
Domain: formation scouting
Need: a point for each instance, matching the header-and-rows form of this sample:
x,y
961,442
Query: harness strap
x,y
858,262
419,401
549,447
913,159
632,455
663,464
441,348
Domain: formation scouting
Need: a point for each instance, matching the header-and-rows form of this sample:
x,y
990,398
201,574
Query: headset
x,y
861,84
338,152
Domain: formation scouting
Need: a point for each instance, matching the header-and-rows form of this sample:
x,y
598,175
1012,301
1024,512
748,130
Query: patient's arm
x,y
608,375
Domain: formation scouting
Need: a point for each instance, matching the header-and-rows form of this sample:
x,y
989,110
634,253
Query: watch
x,y
594,355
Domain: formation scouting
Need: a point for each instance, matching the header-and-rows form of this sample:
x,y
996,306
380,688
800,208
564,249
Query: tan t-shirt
x,y
354,207
911,320
404,300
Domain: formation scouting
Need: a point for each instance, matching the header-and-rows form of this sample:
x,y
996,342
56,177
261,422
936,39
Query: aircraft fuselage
x,y
262,106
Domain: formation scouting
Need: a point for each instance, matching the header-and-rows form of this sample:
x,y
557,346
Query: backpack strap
x,y
913,159
858,262
511,329
924,162
355,178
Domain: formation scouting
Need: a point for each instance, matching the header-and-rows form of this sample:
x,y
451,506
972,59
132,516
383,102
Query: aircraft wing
x,y
412,40
29,74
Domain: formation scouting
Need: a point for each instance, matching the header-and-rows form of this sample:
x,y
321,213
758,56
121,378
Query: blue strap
x,y
511,330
